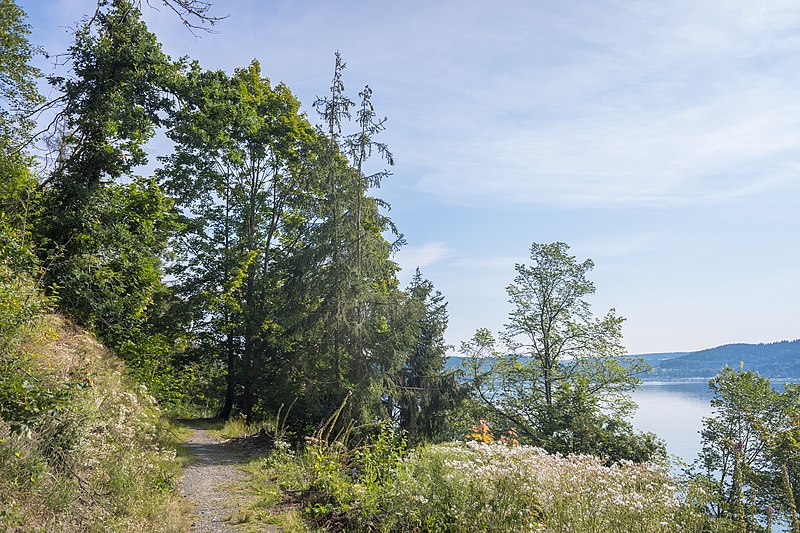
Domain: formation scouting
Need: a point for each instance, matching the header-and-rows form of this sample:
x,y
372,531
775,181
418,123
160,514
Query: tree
x,y
241,171
111,278
194,14
20,300
18,98
109,108
750,459
564,383
422,393
354,338
111,104
18,93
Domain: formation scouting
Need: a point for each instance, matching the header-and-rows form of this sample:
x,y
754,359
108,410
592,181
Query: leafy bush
x,y
181,389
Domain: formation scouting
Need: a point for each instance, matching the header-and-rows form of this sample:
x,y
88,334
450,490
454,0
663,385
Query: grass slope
x,y
82,448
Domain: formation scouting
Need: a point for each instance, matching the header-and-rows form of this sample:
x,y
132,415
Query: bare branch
x,y
194,14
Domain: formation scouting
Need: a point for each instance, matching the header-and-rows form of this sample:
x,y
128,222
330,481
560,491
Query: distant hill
x,y
773,360
655,359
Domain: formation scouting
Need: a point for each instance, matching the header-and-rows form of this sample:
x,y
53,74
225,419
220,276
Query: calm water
x,y
674,412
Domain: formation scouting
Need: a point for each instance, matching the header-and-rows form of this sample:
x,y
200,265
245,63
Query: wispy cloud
x,y
681,111
412,257
708,153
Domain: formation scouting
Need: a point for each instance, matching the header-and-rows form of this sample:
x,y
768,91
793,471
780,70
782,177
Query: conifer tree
x,y
422,392
354,275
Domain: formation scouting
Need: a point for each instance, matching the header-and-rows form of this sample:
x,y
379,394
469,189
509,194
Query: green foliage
x,y
750,457
111,105
422,394
27,397
380,459
20,301
564,383
181,388
18,92
110,277
102,239
240,172
283,261
356,334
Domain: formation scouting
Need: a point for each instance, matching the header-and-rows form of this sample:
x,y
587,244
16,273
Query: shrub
x,y
477,486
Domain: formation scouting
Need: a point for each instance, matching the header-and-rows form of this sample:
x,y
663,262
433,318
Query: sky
x,y
660,139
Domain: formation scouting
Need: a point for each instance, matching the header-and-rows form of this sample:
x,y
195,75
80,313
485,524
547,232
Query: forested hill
x,y
776,359
654,359
773,360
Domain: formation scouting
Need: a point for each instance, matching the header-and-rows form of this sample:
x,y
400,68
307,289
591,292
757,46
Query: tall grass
x,y
472,486
95,458
478,486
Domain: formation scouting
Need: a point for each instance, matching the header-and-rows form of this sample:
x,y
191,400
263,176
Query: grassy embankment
x,y
82,448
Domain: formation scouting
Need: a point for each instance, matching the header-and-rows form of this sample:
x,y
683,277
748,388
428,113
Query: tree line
x,y
254,269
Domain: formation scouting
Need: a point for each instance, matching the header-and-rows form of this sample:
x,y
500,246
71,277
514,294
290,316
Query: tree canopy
x,y
564,380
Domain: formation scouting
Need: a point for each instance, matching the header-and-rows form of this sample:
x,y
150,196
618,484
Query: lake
x,y
674,411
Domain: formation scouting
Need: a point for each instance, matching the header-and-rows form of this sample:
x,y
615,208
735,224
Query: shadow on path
x,y
209,450
215,453
209,482
201,423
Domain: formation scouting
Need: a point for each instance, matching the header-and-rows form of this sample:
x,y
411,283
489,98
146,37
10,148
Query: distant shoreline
x,y
701,379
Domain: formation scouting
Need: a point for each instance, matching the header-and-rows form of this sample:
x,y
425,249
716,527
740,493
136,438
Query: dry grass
x,y
102,459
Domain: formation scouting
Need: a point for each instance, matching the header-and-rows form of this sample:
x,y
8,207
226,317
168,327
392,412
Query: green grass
x,y
234,427
100,457
269,487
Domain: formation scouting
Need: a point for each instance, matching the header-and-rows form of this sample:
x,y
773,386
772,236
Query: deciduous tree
x,y
99,249
750,449
241,169
565,378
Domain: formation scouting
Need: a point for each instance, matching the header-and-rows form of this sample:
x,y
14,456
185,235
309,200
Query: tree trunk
x,y
248,397
227,408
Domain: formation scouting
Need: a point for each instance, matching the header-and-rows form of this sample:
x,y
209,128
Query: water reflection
x,y
674,411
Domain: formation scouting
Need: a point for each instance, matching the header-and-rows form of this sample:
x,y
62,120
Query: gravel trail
x,y
207,481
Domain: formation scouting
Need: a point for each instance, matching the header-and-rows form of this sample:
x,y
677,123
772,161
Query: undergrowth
x,y
81,447
477,485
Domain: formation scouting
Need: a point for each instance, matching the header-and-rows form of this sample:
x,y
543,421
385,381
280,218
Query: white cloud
x,y
679,114
412,257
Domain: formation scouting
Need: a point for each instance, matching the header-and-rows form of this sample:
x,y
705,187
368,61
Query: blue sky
x,y
660,139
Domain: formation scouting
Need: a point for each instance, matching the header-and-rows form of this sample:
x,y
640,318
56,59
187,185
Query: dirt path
x,y
207,482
